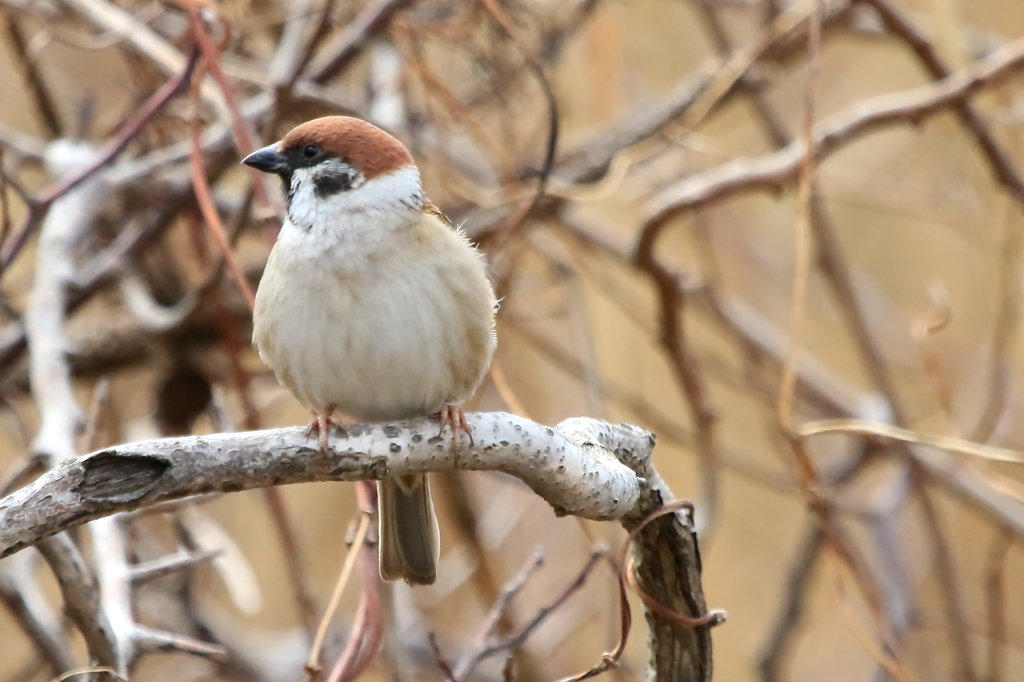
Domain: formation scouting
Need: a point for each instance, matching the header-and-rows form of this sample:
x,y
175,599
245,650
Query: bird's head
x,y
338,165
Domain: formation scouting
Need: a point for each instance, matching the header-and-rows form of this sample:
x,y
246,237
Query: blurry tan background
x,y
923,232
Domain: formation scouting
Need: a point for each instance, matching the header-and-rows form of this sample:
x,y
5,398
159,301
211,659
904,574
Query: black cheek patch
x,y
331,181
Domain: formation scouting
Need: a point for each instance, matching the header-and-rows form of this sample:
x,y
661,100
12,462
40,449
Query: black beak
x,y
268,160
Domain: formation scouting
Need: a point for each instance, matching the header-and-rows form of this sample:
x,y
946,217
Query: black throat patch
x,y
331,178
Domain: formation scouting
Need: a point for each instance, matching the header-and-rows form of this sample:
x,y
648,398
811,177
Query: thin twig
x,y
128,132
922,328
336,54
1001,162
551,147
995,598
784,629
517,639
952,599
20,472
367,630
241,127
209,210
775,170
32,78
5,202
313,662
958,445
802,256
105,669
293,558
444,666
473,657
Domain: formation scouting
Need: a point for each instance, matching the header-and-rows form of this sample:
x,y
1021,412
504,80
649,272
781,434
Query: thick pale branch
x,y
577,467
70,218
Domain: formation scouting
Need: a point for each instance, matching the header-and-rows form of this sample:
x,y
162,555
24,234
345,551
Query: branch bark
x,y
668,568
81,598
582,466
557,463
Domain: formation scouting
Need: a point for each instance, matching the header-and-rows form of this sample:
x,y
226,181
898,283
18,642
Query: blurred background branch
x,y
637,174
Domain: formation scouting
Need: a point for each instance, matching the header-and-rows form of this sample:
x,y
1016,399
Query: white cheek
x,y
397,192
302,208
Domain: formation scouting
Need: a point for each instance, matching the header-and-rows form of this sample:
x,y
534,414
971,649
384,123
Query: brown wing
x,y
430,209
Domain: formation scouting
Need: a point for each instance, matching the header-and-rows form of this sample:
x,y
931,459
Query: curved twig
x,y
775,170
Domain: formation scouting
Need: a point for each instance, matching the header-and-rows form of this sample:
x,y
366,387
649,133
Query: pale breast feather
x,y
383,342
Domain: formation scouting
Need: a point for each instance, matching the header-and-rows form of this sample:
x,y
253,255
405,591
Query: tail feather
x,y
409,541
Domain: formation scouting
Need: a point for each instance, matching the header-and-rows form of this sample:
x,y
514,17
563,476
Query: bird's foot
x,y
455,418
322,424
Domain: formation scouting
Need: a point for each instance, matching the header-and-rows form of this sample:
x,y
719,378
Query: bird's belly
x,y
388,347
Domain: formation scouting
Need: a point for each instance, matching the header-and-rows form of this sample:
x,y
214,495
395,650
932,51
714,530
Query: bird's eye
x,y
311,151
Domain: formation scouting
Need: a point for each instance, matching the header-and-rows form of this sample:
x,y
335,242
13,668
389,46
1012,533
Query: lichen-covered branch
x,y
576,470
583,466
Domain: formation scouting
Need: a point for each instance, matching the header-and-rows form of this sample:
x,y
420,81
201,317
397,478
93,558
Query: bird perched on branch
x,y
374,305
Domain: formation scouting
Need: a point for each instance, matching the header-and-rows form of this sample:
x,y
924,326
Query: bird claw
x,y
454,417
321,425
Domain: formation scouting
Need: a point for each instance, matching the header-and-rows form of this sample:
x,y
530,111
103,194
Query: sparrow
x,y
374,305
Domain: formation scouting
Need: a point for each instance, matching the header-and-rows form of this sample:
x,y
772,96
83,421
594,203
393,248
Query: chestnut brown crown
x,y
362,145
